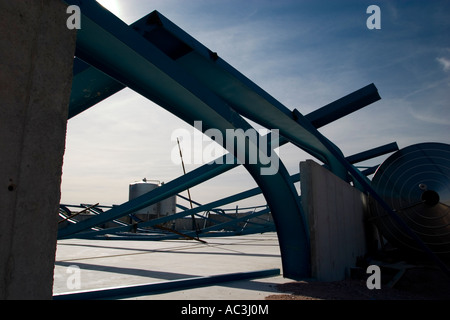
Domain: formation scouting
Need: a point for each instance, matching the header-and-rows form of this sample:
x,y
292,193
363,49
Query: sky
x,y
306,54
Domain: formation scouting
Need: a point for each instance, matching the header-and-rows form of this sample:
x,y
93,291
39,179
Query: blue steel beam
x,y
108,44
86,100
171,188
205,232
153,195
138,65
155,287
219,116
180,184
89,87
190,179
222,225
219,77
233,87
201,174
343,106
370,170
165,191
365,183
228,83
373,153
143,237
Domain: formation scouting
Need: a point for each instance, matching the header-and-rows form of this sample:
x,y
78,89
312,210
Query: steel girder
x,y
193,83
195,177
249,100
236,197
108,44
157,287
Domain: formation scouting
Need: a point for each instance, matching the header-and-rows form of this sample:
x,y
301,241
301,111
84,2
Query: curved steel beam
x,y
108,44
225,81
160,61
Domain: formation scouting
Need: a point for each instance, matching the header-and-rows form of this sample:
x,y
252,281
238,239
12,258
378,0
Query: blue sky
x,y
305,54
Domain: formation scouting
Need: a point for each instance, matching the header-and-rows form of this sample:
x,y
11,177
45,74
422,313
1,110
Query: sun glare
x,y
112,5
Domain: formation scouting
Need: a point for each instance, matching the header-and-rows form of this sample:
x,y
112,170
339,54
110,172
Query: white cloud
x,y
444,62
431,118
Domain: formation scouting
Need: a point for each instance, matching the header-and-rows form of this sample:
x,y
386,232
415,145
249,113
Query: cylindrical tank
x,y
167,206
139,188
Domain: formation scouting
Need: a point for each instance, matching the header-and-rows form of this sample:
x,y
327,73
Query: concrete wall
x,y
36,56
335,212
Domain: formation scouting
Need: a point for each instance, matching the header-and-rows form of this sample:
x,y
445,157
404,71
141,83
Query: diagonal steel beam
x,y
154,196
167,190
193,57
195,177
184,82
111,46
373,153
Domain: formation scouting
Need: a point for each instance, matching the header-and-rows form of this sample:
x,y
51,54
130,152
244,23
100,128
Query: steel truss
x,y
160,61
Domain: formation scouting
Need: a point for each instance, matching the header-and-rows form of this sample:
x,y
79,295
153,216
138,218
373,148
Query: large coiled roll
x,y
415,182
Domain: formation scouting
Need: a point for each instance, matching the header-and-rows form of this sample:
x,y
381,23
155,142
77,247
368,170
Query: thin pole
x,y
178,233
194,225
77,213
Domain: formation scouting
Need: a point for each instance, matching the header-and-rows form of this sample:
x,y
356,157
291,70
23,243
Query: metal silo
x,y
167,206
139,188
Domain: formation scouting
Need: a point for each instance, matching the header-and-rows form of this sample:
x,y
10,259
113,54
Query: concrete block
x,y
335,212
36,58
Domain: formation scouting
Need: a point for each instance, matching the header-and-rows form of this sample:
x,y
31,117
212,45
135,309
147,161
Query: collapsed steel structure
x,y
160,61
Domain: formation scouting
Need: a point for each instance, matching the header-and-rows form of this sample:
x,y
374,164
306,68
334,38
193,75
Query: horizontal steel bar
x,y
370,170
366,185
205,207
167,286
205,231
233,198
143,237
344,106
373,153
200,69
168,189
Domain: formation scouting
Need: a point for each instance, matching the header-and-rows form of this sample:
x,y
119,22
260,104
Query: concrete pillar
x,y
336,214
36,56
